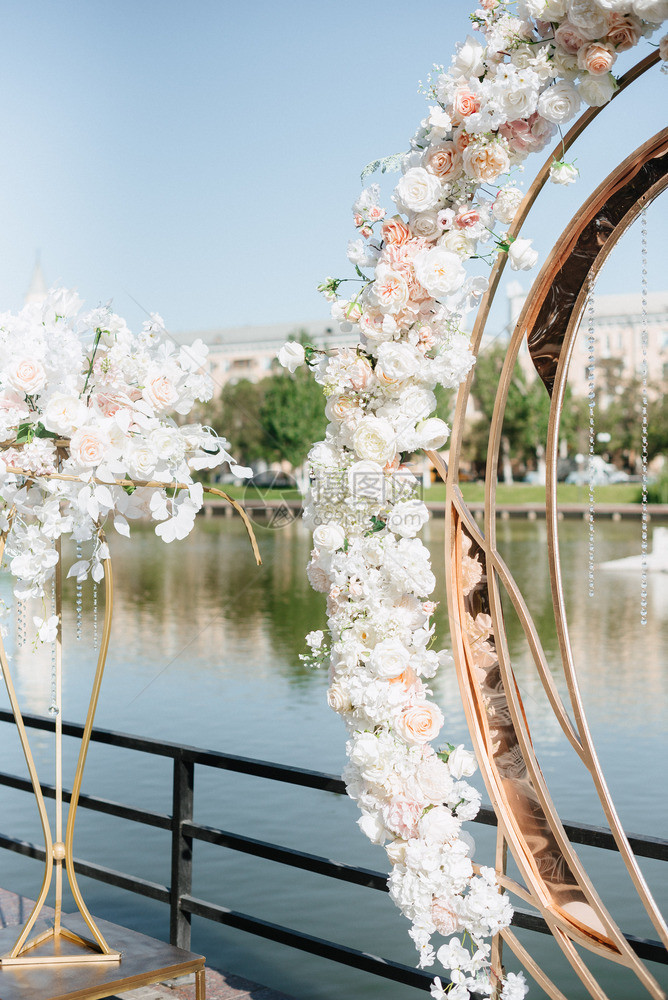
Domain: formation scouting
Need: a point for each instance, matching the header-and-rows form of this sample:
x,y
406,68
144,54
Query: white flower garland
x,y
84,412
500,100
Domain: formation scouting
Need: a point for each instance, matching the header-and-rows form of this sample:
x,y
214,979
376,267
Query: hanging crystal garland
x,y
591,381
20,623
95,592
79,595
644,449
53,707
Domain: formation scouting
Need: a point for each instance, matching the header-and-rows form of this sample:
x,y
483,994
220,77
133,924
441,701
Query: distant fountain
x,y
657,559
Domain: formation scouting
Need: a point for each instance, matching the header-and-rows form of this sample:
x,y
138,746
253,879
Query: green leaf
x,y
370,168
41,431
386,164
25,433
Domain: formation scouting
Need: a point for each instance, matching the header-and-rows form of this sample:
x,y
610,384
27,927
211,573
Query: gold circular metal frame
x,y
554,879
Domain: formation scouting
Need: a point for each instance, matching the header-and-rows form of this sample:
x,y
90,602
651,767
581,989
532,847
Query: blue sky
x,y
202,158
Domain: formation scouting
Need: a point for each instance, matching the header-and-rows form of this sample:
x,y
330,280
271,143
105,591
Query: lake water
x,y
205,651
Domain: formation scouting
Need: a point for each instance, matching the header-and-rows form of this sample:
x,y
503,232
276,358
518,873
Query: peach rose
x,y
27,376
395,231
419,724
375,213
160,393
465,102
461,138
597,58
401,817
88,446
445,920
443,160
466,219
624,31
569,38
486,162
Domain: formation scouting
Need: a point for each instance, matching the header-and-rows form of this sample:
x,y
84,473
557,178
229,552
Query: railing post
x,y
182,851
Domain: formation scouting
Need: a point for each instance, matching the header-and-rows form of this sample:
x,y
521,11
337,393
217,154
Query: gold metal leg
x,y
200,985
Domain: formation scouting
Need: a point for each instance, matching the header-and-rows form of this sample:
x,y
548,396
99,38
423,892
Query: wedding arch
x,y
500,100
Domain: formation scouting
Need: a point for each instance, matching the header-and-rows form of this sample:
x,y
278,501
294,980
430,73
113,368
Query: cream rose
x,y
654,11
470,58
160,392
389,292
425,225
375,440
439,271
462,763
89,446
63,413
141,460
589,18
434,779
559,103
596,91
329,537
597,58
484,162
458,242
418,190
563,173
569,38
27,375
419,724
432,433
367,480
443,160
408,517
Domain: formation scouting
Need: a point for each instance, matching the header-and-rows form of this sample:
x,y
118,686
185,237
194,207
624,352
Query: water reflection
x,y
205,650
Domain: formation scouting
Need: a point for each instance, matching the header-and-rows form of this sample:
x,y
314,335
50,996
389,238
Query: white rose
x,y
418,190
432,433
439,826
373,828
367,480
63,413
408,517
559,103
141,460
563,173
439,271
457,242
291,355
462,763
522,256
434,779
425,224
329,537
506,203
589,18
470,58
663,48
397,362
375,439
389,659
655,11
27,375
596,90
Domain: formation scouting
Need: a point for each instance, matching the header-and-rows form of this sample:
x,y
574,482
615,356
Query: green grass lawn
x,y
472,492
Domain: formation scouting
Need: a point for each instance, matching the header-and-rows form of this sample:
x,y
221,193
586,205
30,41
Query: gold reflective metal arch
x,y
554,879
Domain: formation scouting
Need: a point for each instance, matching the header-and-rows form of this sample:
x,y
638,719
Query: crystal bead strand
x,y
643,375
591,380
53,707
20,636
95,590
79,595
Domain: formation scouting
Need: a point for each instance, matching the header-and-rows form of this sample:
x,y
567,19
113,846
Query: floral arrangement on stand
x,y
502,98
87,437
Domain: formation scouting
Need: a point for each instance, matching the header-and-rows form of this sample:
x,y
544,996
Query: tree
x,y
292,413
238,419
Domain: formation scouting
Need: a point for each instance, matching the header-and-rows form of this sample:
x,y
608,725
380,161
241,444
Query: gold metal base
x,y
59,969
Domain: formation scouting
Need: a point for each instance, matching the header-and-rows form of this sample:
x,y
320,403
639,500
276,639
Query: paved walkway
x,y
14,910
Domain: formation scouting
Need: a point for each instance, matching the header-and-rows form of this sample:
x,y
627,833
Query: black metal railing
x,y
183,830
